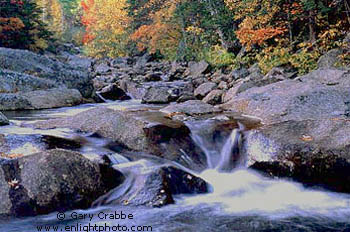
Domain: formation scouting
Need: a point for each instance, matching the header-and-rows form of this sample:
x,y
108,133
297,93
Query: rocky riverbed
x,y
140,134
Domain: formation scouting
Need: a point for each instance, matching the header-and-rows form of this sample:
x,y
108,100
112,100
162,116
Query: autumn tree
x,y
106,22
52,14
21,25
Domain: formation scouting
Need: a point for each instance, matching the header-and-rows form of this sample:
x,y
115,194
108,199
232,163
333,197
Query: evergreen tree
x,y
28,32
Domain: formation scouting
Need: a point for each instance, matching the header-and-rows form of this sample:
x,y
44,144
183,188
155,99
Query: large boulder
x,y
140,131
152,185
13,82
3,120
329,59
314,152
201,91
55,180
134,90
40,99
112,92
323,93
27,62
196,69
214,97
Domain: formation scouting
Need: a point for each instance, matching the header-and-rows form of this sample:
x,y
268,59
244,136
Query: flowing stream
x,y
240,199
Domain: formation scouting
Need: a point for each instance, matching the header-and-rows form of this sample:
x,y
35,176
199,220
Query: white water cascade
x,y
242,191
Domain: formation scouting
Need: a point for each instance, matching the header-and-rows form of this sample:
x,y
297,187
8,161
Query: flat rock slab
x,y
191,107
141,131
63,74
13,82
40,99
320,94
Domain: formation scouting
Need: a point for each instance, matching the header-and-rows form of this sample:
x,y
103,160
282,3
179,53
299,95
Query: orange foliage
x,y
162,34
8,25
250,37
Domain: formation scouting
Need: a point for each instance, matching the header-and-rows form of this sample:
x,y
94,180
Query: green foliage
x,y
303,61
220,58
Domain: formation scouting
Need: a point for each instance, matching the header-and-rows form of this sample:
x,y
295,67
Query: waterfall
x,y
222,157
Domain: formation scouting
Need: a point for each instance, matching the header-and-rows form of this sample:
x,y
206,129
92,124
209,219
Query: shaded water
x,y
240,199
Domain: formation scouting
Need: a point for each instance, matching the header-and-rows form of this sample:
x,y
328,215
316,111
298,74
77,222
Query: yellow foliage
x,y
106,22
53,15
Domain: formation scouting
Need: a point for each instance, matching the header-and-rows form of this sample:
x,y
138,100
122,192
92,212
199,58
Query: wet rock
x,y
34,184
204,89
149,132
112,92
196,69
214,97
314,152
192,107
329,59
20,145
63,74
152,185
40,99
307,98
3,120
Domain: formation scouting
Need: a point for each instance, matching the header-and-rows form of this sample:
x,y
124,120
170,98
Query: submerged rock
x,y
3,120
40,99
55,180
314,152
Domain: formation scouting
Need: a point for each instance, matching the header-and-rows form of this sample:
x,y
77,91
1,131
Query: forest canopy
x,y
226,33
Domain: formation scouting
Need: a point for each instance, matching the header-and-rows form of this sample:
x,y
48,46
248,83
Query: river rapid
x,y
240,199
